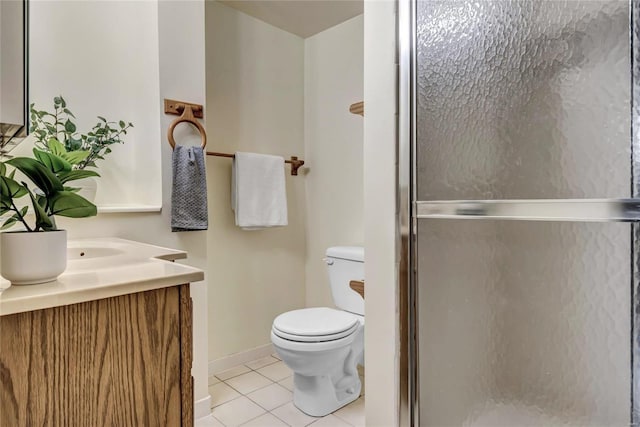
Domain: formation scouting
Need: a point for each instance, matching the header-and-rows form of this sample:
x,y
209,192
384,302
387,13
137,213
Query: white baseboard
x,y
235,359
202,407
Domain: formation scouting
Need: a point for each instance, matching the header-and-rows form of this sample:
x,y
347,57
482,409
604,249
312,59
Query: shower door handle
x,y
585,210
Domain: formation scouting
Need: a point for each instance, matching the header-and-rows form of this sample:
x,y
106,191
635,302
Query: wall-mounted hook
x,y
188,113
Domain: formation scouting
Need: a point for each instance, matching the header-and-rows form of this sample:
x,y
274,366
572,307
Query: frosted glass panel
x,y
523,323
523,99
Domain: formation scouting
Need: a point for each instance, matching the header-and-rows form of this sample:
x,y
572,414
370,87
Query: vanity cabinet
x,y
117,361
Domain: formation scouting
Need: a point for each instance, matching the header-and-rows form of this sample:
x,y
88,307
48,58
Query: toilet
x,y
323,346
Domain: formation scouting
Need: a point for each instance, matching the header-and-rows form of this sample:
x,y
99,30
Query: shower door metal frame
x,y
634,30
406,220
409,210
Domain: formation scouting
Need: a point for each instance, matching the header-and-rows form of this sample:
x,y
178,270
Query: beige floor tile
x,y
271,397
213,380
292,415
232,372
222,393
208,421
259,363
330,421
276,356
237,412
266,420
276,372
246,383
287,383
353,413
362,389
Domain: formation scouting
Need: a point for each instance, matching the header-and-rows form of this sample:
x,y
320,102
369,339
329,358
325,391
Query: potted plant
x,y
83,150
38,253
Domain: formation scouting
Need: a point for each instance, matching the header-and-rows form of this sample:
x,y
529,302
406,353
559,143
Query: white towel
x,y
258,193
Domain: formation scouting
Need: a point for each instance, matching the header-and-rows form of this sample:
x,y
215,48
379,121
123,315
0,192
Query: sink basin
x,y
81,253
95,254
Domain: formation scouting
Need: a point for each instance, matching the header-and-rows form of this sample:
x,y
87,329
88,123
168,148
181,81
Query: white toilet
x,y
322,345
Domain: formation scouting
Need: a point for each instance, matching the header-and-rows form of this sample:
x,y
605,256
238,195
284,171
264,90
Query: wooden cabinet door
x,y
111,362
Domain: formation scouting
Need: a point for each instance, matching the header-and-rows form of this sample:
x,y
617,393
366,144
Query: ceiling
x,y
301,17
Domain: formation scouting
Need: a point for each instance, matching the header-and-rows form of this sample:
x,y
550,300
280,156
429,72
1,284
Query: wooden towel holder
x,y
188,113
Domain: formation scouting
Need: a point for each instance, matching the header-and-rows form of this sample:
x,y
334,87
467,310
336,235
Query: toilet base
x,y
319,396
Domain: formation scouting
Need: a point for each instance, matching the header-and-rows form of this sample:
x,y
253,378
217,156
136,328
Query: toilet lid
x,y
315,324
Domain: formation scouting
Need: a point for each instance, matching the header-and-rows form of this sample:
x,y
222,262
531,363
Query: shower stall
x,y
519,195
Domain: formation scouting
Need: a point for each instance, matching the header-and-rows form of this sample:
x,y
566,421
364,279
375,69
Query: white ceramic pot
x,y
88,188
29,258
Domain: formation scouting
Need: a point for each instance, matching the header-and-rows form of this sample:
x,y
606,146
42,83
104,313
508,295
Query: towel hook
x,y
187,116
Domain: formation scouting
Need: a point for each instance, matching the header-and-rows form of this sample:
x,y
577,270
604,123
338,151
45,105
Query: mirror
x,y
103,58
13,72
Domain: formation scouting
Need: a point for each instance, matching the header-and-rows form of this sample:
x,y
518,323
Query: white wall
x,y
179,27
333,70
102,57
381,332
255,101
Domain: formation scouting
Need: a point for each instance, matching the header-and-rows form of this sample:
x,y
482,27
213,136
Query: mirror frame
x,y
9,141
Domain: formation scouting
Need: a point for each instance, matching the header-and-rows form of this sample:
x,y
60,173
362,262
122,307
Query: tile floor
x,y
258,394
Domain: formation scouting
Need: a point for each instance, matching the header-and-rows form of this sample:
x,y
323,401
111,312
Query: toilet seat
x,y
312,347
314,338
318,324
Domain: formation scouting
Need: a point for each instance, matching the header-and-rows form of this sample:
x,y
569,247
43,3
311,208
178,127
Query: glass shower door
x,y
523,168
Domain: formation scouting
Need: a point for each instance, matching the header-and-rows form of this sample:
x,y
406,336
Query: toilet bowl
x,y
323,346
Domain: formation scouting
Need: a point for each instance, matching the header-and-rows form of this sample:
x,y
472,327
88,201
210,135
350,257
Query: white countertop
x,y
101,268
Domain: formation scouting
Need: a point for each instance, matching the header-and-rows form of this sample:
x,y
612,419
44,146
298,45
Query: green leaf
x,y
66,110
103,119
3,169
42,219
75,175
56,147
74,144
75,157
66,203
15,218
11,189
54,163
69,126
9,222
42,201
71,189
42,177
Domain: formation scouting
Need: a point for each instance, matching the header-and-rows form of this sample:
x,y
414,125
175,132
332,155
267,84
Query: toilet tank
x,y
346,263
